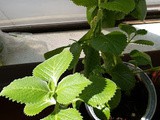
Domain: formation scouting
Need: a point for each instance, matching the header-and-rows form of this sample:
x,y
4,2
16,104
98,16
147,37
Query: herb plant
x,y
103,54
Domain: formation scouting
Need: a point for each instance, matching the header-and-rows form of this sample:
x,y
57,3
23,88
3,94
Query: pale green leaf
x,y
143,42
67,114
125,6
86,3
54,67
70,87
26,90
123,77
114,42
106,111
99,92
35,108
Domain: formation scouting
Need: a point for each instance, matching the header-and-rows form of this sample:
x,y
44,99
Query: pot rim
x,y
152,96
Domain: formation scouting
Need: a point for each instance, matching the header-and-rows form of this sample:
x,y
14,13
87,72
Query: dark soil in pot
x,y
133,106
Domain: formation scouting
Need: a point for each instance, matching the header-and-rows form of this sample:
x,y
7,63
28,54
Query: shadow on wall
x,y
22,48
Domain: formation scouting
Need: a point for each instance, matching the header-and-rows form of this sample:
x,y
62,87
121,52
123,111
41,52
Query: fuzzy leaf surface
x,y
114,42
26,90
99,92
123,77
68,114
35,108
54,67
70,87
119,5
86,3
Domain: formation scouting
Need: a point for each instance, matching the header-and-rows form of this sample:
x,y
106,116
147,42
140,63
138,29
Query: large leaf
x,y
26,90
52,69
114,42
141,58
75,49
32,109
124,6
140,10
70,87
68,114
86,3
123,77
99,92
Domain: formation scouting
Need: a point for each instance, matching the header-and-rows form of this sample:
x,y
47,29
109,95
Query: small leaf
x,y
141,58
140,10
123,77
26,90
127,28
114,42
67,114
119,5
75,49
51,53
106,111
36,108
99,92
70,87
52,69
141,32
143,42
86,3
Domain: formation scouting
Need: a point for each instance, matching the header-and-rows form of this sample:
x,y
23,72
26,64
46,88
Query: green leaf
x,y
123,77
99,92
91,60
125,6
143,42
127,28
52,69
26,90
70,87
86,3
141,58
51,53
109,19
67,114
75,49
141,32
106,111
114,42
36,108
91,13
114,102
140,10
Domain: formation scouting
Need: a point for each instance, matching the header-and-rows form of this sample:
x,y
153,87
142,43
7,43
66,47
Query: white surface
x,y
31,47
20,12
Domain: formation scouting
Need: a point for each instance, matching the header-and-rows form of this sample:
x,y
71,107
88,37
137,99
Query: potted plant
x,y
105,76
